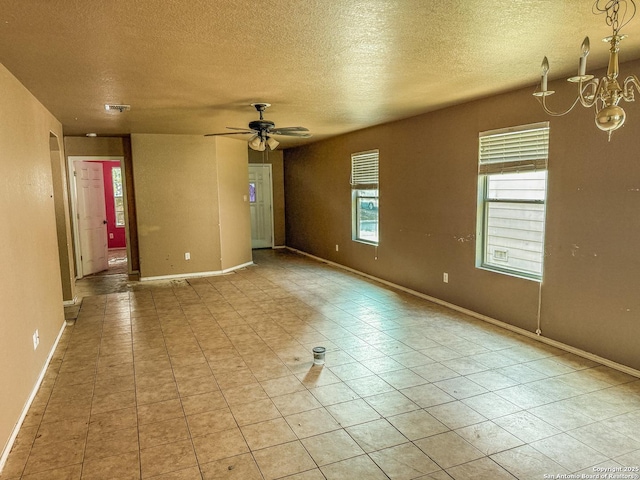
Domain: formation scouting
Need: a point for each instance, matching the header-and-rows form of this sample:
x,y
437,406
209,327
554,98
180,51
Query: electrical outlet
x,y
445,277
337,248
187,256
36,339
111,236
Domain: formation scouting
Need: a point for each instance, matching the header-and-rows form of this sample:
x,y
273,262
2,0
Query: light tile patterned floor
x,y
212,378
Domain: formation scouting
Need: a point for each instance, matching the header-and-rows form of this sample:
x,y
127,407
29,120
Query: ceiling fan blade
x,y
229,133
248,130
291,134
289,129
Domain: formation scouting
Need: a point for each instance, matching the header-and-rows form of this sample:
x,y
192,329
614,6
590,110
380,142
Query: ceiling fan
x,y
262,131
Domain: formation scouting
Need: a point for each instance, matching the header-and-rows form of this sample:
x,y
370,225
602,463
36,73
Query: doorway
x,y
260,204
99,215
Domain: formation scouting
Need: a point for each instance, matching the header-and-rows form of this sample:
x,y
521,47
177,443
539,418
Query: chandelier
x,y
604,93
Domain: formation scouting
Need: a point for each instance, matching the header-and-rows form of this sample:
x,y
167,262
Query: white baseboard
x,y
278,247
70,303
237,267
196,274
27,405
479,316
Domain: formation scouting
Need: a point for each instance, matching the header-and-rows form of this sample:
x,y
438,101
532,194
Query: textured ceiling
x,y
194,66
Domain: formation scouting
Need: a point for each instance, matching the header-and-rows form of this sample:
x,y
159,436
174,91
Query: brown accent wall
x,y
275,158
30,284
428,209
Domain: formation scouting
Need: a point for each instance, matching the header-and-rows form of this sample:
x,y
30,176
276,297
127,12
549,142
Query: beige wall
x,y
275,158
178,200
428,196
235,215
30,284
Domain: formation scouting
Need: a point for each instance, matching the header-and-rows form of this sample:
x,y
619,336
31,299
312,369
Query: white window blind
x,y
518,149
364,168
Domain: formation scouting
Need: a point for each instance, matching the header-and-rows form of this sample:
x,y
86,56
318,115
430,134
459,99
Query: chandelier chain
x,y
616,12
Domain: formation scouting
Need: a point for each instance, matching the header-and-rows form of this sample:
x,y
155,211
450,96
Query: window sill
x,y
510,273
366,242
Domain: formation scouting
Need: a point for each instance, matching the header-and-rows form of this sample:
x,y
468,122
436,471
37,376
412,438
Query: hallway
x,y
213,378
113,280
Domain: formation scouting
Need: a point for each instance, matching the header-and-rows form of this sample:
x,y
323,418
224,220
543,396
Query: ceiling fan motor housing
x,y
261,125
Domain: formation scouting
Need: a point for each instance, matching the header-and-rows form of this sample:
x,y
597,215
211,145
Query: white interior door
x,y
260,205
92,222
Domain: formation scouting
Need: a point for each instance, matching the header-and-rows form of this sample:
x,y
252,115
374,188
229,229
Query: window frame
x,y
116,197
364,178
510,164
357,195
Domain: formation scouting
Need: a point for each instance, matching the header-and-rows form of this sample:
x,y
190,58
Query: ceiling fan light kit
x,y
273,143
605,93
262,131
255,143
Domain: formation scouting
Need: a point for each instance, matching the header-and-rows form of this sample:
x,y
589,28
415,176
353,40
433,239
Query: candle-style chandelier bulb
x,y
582,65
545,66
585,47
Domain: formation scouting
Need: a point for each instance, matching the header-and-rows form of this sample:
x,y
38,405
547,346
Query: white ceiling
x,y
194,66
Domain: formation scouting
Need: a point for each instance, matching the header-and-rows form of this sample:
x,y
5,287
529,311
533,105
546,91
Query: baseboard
x,y
196,274
278,247
16,429
532,335
70,303
237,267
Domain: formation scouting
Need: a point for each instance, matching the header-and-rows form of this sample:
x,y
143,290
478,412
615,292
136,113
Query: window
x,y
118,198
364,196
512,191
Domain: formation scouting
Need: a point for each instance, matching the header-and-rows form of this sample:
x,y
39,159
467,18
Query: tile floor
x,y
212,378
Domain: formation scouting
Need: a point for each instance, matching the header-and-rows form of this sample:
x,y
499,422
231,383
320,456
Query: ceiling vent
x,y
119,108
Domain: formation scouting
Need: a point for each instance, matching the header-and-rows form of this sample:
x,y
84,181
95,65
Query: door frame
x,y
269,167
74,204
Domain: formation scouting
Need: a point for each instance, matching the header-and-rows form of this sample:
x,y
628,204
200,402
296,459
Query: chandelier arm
x,y
629,83
590,100
543,102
